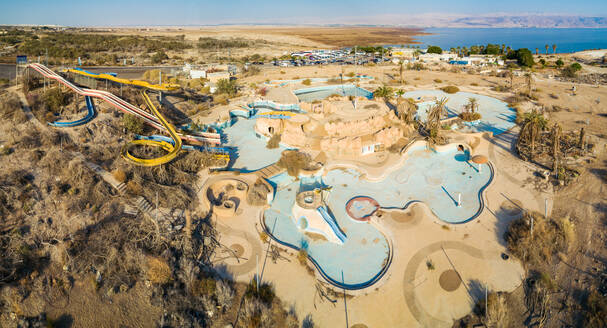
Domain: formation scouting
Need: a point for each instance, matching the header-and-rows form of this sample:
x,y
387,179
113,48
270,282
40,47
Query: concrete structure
x,y
437,57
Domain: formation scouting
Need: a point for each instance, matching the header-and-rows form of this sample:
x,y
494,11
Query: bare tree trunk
x,y
581,142
555,147
533,133
188,223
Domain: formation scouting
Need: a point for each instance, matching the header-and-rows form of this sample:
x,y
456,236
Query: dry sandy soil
x,y
300,36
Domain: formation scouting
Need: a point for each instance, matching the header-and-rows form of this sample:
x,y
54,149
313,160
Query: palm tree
x,y
554,48
503,48
433,119
547,49
533,124
384,92
472,104
400,70
510,75
406,108
537,51
529,79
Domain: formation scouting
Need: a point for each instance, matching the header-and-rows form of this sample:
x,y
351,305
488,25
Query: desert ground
x,y
88,235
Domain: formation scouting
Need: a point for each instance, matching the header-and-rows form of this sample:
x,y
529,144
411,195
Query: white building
x,y
197,73
437,57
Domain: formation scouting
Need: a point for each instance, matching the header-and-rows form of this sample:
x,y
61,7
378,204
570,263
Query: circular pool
x,y
361,208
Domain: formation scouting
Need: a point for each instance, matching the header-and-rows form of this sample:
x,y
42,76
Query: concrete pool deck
x,y
417,299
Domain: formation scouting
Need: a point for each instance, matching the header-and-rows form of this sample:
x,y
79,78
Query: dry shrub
x,y
204,287
10,109
221,99
158,271
469,116
274,141
133,187
295,161
541,247
450,89
172,183
224,295
119,175
115,247
595,314
302,257
85,190
258,195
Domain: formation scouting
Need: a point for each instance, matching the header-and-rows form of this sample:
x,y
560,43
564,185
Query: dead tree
x,y
556,139
582,135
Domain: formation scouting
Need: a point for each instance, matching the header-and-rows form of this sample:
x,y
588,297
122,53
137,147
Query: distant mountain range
x,y
494,20
540,21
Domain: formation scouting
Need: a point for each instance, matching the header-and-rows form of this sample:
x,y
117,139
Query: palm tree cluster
x,y
432,127
406,108
384,92
533,124
470,110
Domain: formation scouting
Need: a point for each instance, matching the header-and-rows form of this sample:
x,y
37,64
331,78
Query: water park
x,y
359,190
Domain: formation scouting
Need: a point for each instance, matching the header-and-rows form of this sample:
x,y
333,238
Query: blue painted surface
x,y
252,153
91,113
331,222
497,116
434,178
320,93
274,106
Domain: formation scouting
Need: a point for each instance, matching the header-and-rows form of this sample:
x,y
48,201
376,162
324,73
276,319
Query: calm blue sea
x,y
566,39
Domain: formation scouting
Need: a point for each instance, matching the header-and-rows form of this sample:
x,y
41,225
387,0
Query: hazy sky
x,y
190,12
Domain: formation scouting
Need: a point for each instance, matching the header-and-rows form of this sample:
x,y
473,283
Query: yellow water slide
x,y
173,149
139,83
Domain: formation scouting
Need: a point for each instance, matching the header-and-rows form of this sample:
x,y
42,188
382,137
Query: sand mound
x,y
408,216
237,249
449,280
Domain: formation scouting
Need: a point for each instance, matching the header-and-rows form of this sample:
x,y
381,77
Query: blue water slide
x,y
90,105
274,106
89,72
332,223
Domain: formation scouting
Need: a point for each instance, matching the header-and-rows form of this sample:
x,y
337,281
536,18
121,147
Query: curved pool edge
x,y
404,153
476,214
324,275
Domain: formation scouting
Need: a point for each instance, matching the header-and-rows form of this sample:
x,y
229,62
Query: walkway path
x,y
270,171
423,317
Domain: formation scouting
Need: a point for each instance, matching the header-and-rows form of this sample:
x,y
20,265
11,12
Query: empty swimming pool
x,y
320,93
444,180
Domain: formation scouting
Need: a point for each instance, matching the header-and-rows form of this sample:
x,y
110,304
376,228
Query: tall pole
x,y
486,313
345,302
160,83
531,225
